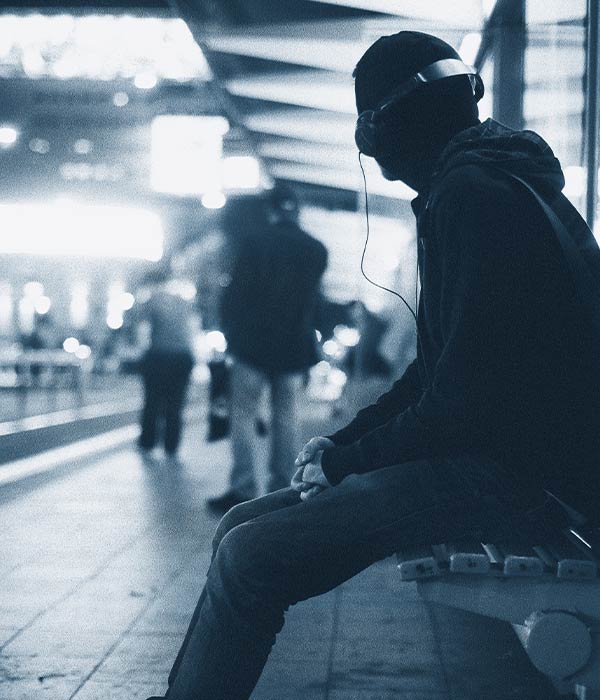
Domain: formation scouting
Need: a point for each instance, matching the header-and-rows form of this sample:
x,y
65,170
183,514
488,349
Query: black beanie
x,y
433,113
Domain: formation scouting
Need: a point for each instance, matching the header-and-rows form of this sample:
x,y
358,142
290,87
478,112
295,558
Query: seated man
x,y
500,403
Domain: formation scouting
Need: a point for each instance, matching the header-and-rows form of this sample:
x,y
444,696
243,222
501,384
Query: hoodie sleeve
x,y
475,240
403,393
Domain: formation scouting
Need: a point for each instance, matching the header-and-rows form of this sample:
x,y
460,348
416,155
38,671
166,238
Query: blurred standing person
x,y
166,365
210,262
267,316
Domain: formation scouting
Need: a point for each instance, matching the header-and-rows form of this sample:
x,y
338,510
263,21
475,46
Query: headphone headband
x,y
445,68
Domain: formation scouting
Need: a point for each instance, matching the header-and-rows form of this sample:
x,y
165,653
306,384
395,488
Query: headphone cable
x,y
362,259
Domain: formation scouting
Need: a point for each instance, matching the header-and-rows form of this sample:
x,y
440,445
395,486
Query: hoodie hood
x,y
522,153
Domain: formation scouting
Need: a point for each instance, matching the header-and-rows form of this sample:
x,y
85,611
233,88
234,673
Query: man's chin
x,y
394,172
388,174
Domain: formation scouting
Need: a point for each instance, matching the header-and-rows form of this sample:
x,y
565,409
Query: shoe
x,y
143,446
147,455
221,504
172,459
261,427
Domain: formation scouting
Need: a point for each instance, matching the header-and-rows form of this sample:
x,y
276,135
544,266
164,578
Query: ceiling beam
x,y
467,14
332,45
316,154
318,29
319,127
334,55
318,90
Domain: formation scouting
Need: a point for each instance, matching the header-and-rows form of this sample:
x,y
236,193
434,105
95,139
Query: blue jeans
x,y
166,377
274,551
247,386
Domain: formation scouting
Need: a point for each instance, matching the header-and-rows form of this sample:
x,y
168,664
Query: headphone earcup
x,y
365,133
479,89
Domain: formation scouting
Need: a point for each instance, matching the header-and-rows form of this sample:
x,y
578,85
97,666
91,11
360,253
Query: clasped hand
x,y
309,479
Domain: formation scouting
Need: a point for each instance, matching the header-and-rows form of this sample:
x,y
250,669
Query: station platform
x,y
104,555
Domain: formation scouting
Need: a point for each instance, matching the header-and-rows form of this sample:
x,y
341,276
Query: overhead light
x,y
346,335
70,344
8,135
6,307
241,173
79,307
39,146
114,321
145,80
100,172
185,289
215,340
120,99
186,154
98,47
26,315
42,305
83,147
34,65
73,229
213,200
33,290
83,352
67,67
127,301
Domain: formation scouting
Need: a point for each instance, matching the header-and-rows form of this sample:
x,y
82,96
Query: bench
x,y
57,366
549,592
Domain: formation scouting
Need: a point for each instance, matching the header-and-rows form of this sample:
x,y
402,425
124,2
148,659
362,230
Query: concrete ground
x,y
104,556
17,403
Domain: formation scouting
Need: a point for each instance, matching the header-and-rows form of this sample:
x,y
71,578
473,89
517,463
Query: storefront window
x,y
554,90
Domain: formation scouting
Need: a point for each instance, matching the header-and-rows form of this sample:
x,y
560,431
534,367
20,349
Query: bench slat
x,y
577,569
468,558
572,562
565,555
520,560
417,564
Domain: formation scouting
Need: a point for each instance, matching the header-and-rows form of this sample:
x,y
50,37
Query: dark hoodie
x,y
507,366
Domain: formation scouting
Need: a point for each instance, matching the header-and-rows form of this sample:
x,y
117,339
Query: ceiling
x,y
281,71
282,74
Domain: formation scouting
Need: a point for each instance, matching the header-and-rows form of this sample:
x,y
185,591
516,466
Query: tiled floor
x,y
101,567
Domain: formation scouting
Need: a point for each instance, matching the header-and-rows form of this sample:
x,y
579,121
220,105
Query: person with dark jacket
x,y
499,409
267,315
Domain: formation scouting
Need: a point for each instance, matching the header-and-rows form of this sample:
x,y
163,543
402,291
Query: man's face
x,y
396,159
399,167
